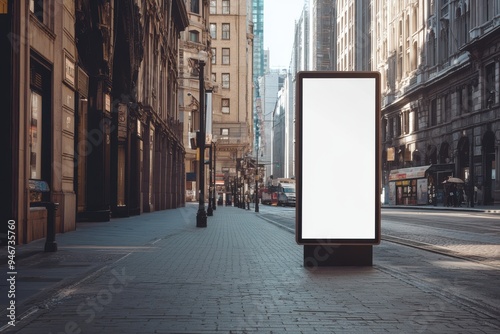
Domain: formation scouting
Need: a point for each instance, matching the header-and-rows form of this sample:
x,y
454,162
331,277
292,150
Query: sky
x,y
279,27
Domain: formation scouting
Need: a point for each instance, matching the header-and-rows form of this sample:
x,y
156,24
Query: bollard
x,y
50,241
37,187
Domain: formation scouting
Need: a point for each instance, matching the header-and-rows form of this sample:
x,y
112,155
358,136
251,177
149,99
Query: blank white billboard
x,y
338,158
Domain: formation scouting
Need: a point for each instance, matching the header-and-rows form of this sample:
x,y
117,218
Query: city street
x,y
158,273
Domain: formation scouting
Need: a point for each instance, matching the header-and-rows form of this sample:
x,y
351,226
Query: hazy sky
x,y
279,27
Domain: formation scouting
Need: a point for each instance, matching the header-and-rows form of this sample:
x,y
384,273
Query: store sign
x,y
338,200
69,71
408,173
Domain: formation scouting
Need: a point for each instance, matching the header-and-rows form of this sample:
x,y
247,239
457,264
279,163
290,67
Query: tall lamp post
x,y
471,170
214,197
201,215
210,210
257,181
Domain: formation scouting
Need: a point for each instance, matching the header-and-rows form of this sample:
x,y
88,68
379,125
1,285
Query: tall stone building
x,y
39,80
93,110
231,53
195,48
353,35
440,68
132,153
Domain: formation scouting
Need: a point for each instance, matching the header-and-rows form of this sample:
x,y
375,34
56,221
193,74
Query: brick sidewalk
x,y
158,273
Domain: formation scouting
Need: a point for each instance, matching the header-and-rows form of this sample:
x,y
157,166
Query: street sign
x,y
338,158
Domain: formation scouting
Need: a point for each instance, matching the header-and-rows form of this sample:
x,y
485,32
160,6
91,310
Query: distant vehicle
x,y
269,196
286,192
281,192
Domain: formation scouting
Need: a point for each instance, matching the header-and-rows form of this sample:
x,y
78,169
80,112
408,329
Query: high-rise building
x,y
323,34
353,35
259,65
232,38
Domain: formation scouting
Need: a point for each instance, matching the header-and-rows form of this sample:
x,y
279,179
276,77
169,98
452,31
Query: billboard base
x,y
341,255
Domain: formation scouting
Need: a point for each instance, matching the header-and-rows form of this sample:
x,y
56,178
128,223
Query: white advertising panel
x,y
338,158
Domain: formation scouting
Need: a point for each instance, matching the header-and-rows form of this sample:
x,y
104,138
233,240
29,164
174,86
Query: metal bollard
x,y
37,188
50,241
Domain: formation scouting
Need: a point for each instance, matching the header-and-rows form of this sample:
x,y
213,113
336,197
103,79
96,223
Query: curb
x,y
440,208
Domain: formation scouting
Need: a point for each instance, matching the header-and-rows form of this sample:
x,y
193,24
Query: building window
x,y
414,126
445,105
225,56
213,6
406,122
225,6
194,36
470,101
461,102
462,24
384,129
36,7
444,44
213,77
432,49
489,10
391,128
213,30
399,127
214,55
225,106
224,132
433,119
195,6
225,80
36,136
414,57
225,31
490,91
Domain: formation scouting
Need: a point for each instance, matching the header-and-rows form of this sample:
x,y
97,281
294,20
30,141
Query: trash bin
x,y
37,189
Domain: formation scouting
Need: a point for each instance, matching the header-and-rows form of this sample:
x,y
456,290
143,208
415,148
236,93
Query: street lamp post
x,y
210,210
471,170
243,178
215,176
201,215
237,184
257,182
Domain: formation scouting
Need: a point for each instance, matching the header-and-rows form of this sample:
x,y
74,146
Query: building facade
x,y
231,72
440,68
129,103
39,59
196,38
354,35
323,34
92,93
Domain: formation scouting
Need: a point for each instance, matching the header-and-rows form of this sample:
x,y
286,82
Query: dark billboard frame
x,y
327,177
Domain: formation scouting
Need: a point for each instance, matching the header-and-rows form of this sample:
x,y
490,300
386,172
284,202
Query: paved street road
x,y
158,273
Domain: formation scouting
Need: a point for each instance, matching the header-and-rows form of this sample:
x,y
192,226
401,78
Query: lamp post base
x,y
210,211
201,218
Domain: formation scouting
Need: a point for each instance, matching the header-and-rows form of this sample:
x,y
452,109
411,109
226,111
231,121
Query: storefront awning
x,y
408,173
